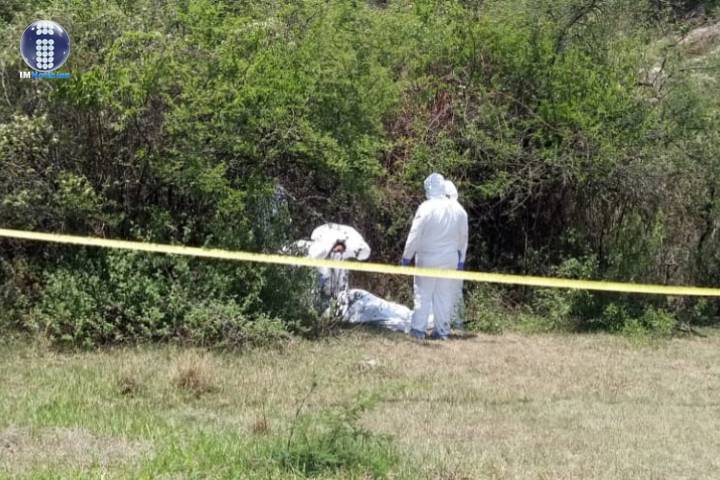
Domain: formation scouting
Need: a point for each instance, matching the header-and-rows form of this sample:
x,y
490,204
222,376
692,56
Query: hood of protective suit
x,y
435,186
451,190
326,236
439,230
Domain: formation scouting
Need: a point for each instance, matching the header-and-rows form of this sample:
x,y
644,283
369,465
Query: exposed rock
x,y
701,40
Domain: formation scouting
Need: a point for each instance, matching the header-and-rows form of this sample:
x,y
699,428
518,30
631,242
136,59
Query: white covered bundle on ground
x,y
362,307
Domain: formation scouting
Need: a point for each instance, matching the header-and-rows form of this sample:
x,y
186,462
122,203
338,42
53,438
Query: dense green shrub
x,y
651,324
485,311
567,309
574,129
226,324
16,290
121,297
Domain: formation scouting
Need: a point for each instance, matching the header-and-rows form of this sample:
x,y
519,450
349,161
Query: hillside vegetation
x,y
582,135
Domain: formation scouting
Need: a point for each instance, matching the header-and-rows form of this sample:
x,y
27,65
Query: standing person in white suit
x,y
458,310
437,239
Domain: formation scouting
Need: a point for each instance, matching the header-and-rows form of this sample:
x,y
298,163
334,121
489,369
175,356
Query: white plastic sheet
x,y
362,307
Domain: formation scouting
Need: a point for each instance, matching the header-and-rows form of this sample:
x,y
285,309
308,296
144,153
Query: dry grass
x,y
130,381
195,373
499,407
515,407
76,448
560,407
261,426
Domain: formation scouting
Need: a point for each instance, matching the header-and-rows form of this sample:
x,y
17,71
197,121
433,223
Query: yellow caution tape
x,y
365,266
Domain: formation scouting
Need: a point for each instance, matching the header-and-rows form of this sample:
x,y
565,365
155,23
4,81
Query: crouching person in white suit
x,y
334,297
335,242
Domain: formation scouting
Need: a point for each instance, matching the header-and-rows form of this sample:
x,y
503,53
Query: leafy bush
x,y
703,312
16,290
658,322
564,309
69,313
616,316
485,311
647,323
226,324
574,130
129,297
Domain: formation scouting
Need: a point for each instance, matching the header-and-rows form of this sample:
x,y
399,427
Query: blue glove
x,y
405,262
461,266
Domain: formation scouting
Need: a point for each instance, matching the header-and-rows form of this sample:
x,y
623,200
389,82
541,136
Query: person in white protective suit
x,y
437,239
352,305
458,310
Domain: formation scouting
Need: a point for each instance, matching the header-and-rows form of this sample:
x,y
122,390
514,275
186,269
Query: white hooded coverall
x,y
333,281
457,310
438,239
